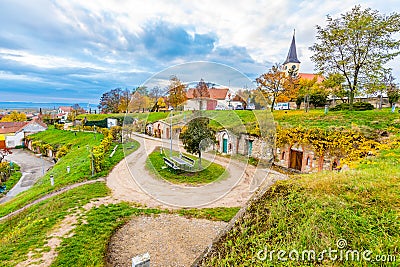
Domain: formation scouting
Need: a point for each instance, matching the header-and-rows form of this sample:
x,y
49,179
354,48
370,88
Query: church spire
x,y
292,55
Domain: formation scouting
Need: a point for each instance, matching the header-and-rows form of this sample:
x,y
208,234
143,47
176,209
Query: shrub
x,y
62,151
59,126
359,106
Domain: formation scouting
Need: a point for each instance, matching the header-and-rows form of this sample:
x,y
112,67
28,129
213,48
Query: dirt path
x,y
130,181
64,229
52,194
171,240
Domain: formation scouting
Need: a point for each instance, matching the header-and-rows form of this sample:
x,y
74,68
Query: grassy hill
x,y
78,158
246,120
314,212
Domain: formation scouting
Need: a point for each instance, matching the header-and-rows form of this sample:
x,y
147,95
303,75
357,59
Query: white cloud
x,y
106,37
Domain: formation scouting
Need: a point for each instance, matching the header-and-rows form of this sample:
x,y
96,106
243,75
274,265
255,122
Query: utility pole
x,y
170,133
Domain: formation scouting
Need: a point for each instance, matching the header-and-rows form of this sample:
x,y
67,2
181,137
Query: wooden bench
x,y
190,162
171,164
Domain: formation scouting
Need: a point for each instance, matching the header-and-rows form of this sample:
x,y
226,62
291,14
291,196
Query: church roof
x,y
292,55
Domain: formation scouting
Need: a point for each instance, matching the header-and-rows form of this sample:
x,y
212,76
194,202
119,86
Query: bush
x,y
62,151
59,126
358,106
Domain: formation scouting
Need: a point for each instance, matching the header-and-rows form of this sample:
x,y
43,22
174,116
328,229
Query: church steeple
x,y
292,63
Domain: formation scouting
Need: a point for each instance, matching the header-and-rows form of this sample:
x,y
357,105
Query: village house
x,y
12,134
162,129
62,113
219,99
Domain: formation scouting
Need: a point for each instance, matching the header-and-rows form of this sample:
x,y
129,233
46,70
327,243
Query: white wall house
x,y
14,132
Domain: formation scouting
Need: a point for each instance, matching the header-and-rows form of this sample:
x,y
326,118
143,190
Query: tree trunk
x,y
273,104
200,167
351,99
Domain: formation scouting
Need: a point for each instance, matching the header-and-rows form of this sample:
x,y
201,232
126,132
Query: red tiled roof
x,y
310,76
65,109
11,127
215,93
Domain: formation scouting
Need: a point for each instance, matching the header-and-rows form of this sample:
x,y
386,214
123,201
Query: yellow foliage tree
x,y
14,116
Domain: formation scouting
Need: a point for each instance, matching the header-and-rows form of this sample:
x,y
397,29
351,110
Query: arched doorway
x,y
225,143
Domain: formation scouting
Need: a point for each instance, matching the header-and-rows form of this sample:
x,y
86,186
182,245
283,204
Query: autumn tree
x,y
357,45
177,92
125,97
14,116
291,88
271,84
155,93
201,92
114,100
198,136
76,110
140,101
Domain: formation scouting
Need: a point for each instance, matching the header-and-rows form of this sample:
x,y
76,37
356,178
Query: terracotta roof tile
x,y
11,127
310,76
215,93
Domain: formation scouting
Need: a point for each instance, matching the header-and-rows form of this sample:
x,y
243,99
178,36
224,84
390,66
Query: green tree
x,y
304,89
198,136
177,92
318,96
271,84
356,45
334,84
393,93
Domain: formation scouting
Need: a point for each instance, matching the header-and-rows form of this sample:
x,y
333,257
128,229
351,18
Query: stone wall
x,y
309,161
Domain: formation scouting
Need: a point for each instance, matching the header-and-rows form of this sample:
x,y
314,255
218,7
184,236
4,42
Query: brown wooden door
x,y
296,159
2,144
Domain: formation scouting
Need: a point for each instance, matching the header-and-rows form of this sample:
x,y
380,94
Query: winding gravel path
x,y
131,181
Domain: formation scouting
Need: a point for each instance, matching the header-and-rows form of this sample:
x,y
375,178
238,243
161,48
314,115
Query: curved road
x,y
32,168
130,181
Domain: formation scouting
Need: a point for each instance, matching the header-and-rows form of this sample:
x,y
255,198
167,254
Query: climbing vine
x,y
349,145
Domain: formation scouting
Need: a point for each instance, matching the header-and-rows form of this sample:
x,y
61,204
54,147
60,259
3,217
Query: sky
x,y
74,51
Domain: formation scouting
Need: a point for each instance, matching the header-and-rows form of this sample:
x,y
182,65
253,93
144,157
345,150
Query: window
x,y
283,155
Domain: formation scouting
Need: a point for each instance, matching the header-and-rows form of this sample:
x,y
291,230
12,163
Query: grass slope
x,y
78,160
312,212
28,230
12,180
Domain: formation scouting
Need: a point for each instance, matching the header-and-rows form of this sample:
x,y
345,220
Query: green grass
x,y
313,211
212,172
77,158
214,214
88,246
374,119
147,116
28,230
12,180
246,120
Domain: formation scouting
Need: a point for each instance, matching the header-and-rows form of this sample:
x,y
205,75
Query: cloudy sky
x,y
75,50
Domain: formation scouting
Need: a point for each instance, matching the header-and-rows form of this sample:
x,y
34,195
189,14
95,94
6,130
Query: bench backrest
x,y
188,159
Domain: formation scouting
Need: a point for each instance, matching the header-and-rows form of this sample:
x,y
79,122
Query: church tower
x,y
291,64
